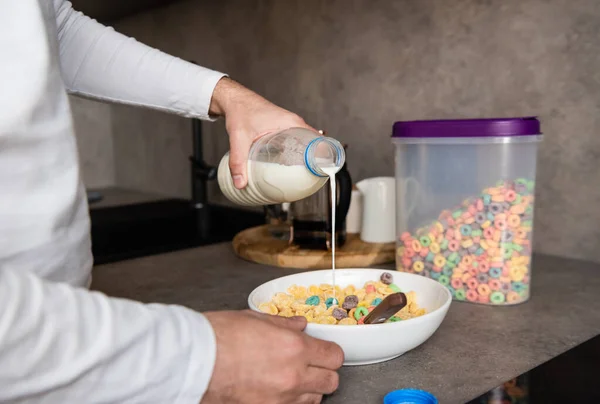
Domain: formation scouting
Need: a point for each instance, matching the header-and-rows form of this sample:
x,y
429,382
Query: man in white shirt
x,y
59,342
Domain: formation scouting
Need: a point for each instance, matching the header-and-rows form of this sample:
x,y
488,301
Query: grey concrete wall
x,y
94,141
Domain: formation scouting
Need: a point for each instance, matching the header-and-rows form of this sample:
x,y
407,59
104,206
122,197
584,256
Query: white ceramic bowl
x,y
375,343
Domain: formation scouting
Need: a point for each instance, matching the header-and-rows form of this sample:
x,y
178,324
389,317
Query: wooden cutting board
x,y
257,245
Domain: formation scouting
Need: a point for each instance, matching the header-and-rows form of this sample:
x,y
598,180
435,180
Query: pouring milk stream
x,y
331,172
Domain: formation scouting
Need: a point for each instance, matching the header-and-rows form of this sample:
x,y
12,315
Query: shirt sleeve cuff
x,y
204,87
202,359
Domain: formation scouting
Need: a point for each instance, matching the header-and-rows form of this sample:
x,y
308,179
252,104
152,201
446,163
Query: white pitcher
x,y
381,211
378,209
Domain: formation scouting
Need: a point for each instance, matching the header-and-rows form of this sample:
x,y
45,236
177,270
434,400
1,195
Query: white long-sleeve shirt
x,y
59,342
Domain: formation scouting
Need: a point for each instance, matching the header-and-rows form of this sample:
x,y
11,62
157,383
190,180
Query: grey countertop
x,y
475,349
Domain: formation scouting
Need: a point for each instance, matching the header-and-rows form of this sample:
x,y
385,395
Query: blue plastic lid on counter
x,y
409,396
457,128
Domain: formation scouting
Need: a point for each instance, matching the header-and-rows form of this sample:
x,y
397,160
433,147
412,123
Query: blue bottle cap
x,y
409,396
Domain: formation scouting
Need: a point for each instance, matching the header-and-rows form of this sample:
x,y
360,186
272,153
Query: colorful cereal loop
x,y
521,233
495,272
444,280
483,289
472,295
466,243
425,241
454,257
517,209
394,288
500,221
517,200
483,299
517,274
472,283
465,230
439,227
517,247
418,266
519,287
498,198
488,233
457,272
467,260
416,246
510,195
497,298
514,221
360,313
513,297
494,284
456,283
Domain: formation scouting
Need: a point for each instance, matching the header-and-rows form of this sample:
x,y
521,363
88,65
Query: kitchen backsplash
x,y
353,67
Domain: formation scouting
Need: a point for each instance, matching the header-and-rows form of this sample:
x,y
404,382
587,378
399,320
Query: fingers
x,y
310,399
321,381
239,146
324,354
297,323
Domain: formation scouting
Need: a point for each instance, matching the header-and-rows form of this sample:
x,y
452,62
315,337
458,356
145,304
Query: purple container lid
x,y
457,128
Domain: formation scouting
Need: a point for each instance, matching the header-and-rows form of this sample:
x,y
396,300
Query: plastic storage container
x,y
284,167
465,196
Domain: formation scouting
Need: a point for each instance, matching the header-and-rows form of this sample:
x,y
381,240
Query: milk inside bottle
x,y
284,167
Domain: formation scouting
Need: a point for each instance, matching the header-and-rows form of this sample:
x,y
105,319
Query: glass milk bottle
x,y
284,167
